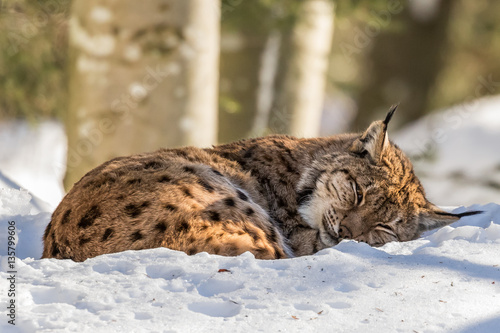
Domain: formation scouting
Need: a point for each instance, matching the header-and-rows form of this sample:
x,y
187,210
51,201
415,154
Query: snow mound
x,y
34,157
18,206
456,152
469,233
448,280
14,202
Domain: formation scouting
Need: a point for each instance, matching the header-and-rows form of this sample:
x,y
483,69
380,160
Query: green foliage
x,y
33,35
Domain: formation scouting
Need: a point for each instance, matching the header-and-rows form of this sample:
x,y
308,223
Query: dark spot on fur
x,y
187,192
120,197
135,181
225,155
90,216
251,233
183,227
192,251
100,181
362,154
106,234
291,213
214,216
217,172
281,202
189,169
216,249
153,165
161,226
55,250
65,218
278,222
203,227
136,236
233,250
134,210
209,239
286,164
191,239
268,158
242,195
182,153
206,185
277,253
262,251
249,152
249,211
164,179
272,236
170,207
84,241
229,202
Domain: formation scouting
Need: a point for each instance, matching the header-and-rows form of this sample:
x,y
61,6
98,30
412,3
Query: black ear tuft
x,y
474,212
390,114
434,217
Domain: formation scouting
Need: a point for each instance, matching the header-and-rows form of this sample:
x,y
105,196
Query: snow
x,y
447,280
33,157
456,152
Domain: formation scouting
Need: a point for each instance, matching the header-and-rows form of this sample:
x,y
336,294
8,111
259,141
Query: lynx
x,y
275,196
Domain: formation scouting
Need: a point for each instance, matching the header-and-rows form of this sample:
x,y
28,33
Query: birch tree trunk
x,y
144,75
305,80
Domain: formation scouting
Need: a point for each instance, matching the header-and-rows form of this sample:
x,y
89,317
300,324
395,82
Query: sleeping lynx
x,y
275,196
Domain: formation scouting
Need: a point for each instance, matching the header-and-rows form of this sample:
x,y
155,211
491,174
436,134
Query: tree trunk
x,y
143,76
267,80
405,64
305,78
239,68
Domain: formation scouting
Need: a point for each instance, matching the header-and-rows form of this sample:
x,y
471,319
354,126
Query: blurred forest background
x,y
132,76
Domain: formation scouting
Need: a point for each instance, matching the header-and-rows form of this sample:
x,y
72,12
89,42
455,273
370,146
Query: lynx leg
x,y
216,235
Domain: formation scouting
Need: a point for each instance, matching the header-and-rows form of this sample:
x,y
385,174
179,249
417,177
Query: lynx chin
x,y
275,196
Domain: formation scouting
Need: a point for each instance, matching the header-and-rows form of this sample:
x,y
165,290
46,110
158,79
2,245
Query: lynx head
x,y
368,192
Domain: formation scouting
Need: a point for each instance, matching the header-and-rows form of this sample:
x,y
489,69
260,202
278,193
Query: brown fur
x,y
263,195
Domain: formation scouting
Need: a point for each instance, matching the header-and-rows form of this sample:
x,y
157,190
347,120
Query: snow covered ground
x,y
448,280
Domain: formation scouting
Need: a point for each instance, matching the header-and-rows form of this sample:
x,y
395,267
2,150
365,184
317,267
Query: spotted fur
x,y
275,196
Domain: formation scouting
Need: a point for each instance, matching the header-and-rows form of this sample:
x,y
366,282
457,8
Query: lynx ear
x,y
374,140
434,217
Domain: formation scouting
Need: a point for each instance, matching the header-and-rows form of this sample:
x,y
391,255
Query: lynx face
x,y
368,193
